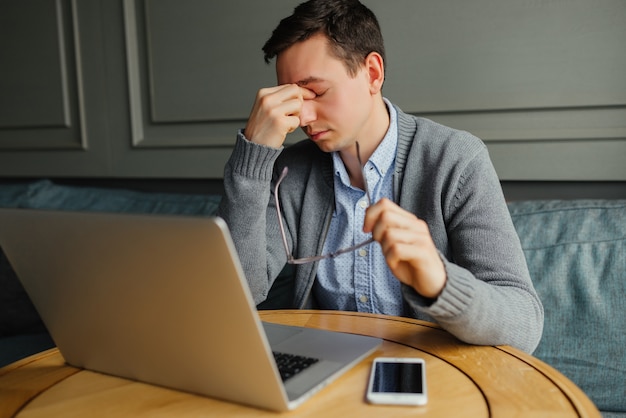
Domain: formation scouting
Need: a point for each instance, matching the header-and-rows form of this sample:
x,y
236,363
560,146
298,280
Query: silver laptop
x,y
163,300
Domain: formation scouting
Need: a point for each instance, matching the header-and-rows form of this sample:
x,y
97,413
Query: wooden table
x,y
463,380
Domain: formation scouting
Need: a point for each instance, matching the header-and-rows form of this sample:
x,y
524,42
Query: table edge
x,y
579,400
576,396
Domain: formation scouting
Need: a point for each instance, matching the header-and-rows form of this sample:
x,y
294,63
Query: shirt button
x,y
362,252
363,204
363,298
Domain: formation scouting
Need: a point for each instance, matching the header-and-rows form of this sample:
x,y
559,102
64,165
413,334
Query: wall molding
x,y
65,130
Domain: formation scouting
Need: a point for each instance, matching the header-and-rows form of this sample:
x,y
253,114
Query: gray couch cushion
x,y
47,195
576,253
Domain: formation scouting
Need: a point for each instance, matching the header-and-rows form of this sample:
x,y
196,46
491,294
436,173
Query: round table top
x,y
462,380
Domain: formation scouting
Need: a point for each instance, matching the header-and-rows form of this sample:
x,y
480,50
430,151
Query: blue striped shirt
x,y
360,280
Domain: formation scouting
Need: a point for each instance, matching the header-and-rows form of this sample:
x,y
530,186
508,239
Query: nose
x,y
307,113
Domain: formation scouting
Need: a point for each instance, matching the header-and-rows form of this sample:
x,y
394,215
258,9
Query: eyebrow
x,y
309,80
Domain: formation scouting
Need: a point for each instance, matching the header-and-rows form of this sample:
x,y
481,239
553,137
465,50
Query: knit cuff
x,y
252,160
454,299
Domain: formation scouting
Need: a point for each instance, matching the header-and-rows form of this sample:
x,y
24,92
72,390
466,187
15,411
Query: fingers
x,y
385,213
276,113
407,246
392,225
306,93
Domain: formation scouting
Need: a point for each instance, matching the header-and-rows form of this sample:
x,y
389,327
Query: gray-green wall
x,y
149,89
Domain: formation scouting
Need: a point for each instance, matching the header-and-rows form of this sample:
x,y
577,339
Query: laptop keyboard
x,y
291,364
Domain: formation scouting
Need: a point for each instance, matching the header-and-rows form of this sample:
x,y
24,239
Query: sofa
x,y
575,249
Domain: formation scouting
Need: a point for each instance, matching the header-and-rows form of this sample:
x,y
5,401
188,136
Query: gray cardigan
x,y
443,176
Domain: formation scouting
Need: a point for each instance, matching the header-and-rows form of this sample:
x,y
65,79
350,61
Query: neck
x,y
377,127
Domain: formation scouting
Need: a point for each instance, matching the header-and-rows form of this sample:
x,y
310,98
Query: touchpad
x,y
278,333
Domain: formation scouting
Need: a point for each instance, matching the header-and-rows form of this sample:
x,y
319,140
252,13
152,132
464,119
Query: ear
x,y
375,68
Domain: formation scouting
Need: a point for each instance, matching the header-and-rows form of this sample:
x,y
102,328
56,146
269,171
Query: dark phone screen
x,y
398,378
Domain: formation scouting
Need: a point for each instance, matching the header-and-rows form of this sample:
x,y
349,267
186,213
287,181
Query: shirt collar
x,y
385,154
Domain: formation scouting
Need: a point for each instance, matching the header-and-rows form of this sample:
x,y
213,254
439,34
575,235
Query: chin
x,y
326,146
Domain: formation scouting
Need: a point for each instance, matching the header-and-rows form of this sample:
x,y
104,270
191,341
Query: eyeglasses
x,y
290,257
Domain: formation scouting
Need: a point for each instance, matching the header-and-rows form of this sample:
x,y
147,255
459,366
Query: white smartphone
x,y
397,381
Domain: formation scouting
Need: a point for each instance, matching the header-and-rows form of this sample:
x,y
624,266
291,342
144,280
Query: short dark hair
x,y
351,28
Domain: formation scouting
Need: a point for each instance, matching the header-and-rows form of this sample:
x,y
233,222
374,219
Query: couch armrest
x,y
576,254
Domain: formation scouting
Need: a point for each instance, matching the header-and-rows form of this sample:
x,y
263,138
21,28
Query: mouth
x,y
316,135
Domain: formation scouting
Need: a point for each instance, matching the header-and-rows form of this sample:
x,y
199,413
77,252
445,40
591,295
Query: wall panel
x,y
542,82
193,69
158,88
41,106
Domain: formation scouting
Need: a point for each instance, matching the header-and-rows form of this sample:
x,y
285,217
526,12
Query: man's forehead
x,y
306,62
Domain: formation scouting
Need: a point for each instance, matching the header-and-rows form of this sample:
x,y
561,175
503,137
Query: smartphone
x,y
397,381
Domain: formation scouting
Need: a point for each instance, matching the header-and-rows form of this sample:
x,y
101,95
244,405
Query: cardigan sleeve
x,y
246,207
489,297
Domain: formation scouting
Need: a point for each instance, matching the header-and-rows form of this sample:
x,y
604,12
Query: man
x,y
444,245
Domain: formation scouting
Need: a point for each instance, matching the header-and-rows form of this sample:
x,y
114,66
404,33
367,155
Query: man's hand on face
x,y
276,113
407,246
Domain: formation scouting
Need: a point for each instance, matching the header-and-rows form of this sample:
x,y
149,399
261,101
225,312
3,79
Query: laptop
x,y
163,300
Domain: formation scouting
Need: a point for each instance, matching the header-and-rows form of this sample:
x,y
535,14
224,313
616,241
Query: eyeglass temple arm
x,y
290,258
278,213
